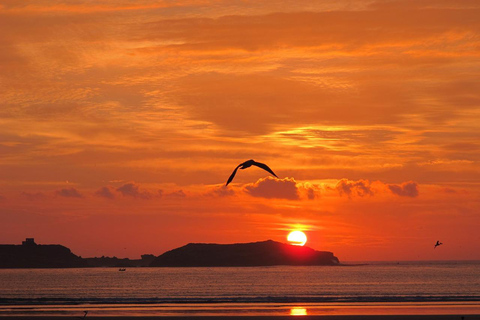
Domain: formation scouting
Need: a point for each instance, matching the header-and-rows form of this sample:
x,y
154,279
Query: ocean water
x,y
427,287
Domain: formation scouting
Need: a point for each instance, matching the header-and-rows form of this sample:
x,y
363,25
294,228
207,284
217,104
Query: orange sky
x,y
120,122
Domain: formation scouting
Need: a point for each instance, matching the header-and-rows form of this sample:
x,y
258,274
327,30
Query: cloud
x,y
270,99
132,190
307,190
87,7
311,193
406,189
221,191
106,192
69,193
274,188
337,29
345,44
359,188
33,196
176,194
362,188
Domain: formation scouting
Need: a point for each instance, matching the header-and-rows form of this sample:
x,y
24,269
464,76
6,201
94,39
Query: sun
x,y
297,238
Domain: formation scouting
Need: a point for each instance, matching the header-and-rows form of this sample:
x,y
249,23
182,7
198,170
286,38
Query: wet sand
x,y
233,317
373,311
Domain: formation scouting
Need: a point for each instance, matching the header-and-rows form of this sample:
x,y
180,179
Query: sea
x,y
419,287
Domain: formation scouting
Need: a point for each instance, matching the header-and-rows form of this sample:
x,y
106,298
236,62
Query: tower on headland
x,y
32,255
29,242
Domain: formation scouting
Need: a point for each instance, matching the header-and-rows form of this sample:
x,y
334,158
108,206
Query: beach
x,y
265,311
233,317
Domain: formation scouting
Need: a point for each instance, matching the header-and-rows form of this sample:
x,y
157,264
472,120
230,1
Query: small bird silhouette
x,y
84,316
437,244
248,164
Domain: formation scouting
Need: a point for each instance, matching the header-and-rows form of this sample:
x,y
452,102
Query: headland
x,y
264,253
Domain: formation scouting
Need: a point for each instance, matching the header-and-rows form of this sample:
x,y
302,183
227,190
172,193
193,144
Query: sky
x,y
120,122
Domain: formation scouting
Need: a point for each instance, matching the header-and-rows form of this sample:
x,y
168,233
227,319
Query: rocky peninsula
x,y
264,253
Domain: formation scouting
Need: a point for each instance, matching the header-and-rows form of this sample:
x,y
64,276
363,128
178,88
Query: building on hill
x,y
32,255
29,242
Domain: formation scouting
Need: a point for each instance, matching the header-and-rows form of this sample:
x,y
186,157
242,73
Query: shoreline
x,y
265,311
236,317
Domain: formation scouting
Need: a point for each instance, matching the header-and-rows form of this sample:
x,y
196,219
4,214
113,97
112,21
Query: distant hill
x,y
265,253
32,255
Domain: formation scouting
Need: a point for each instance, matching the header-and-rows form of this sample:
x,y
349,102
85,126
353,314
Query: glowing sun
x,y
297,238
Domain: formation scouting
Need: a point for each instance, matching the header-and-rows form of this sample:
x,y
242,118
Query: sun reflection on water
x,y
298,311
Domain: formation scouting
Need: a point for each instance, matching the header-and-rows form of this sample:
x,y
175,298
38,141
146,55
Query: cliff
x,y
265,253
32,255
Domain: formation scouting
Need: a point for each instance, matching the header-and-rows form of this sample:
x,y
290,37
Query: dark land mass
x,y
32,255
265,253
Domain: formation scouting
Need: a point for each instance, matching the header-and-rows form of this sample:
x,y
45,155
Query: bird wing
x,y
264,167
232,175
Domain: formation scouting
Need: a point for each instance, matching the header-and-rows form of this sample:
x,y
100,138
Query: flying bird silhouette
x,y
437,244
248,164
84,316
